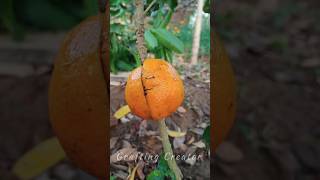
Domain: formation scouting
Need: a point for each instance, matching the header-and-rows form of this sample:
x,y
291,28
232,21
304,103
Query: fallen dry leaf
x,y
198,131
124,110
178,142
191,140
113,142
191,150
126,144
124,120
39,159
140,170
115,83
130,154
191,161
199,144
181,109
176,133
132,175
229,153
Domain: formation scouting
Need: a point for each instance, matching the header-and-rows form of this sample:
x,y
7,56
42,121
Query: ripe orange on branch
x,y
155,90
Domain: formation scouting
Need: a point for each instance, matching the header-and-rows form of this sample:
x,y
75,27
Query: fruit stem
x,y
169,156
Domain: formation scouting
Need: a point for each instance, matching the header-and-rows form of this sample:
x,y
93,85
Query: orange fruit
x,y
223,91
155,90
78,99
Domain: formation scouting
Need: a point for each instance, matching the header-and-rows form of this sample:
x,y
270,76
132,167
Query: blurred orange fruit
x,y
155,90
78,99
223,93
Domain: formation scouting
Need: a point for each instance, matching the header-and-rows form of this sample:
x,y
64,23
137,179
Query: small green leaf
x,y
168,40
168,55
122,65
112,178
167,19
172,3
155,175
206,7
161,171
150,39
206,135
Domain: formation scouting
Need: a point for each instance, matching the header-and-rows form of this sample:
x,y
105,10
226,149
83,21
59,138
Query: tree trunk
x,y
197,33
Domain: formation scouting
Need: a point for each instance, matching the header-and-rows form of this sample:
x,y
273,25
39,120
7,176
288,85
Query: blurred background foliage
x,y
21,17
185,33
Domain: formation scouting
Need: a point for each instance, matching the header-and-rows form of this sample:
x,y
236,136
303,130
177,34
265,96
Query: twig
x,y
168,150
150,6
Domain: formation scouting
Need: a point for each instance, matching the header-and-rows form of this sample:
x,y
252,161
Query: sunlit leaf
x,y
39,159
206,135
124,110
155,175
133,173
176,133
168,40
162,171
150,39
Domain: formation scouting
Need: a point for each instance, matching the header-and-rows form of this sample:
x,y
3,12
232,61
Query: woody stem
x,y
168,153
139,20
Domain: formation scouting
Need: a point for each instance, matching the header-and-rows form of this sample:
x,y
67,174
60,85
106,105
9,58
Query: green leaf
x,y
206,135
112,178
168,40
116,28
167,19
162,171
172,3
136,56
124,66
150,39
155,175
206,7
168,55
157,20
8,18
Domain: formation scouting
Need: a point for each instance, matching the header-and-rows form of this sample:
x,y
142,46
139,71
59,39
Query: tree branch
x,y
139,19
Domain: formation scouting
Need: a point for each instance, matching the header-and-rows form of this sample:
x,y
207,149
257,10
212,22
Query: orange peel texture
x,y
154,90
78,99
